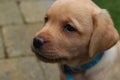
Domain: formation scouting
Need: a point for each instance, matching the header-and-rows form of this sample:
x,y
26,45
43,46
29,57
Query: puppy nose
x,y
38,42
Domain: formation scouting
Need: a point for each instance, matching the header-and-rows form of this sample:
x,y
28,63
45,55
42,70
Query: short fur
x,y
94,33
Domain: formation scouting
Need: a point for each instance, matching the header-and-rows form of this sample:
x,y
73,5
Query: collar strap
x,y
68,70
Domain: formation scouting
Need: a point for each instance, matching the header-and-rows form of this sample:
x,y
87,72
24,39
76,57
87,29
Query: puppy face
x,y
73,31
66,32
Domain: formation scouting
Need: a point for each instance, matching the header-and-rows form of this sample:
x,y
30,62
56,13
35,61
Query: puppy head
x,y
70,30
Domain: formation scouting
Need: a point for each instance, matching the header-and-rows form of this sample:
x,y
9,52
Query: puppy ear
x,y
104,35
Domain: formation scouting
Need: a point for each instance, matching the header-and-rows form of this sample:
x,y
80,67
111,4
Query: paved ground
x,y
19,20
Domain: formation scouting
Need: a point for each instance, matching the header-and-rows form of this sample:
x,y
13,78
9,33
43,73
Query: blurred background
x,y
19,21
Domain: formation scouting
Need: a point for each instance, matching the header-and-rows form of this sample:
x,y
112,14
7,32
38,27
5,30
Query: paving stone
x,y
34,11
9,13
51,71
18,39
25,68
2,55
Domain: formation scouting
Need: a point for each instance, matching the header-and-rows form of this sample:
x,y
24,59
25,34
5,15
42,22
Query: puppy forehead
x,y
69,8
67,1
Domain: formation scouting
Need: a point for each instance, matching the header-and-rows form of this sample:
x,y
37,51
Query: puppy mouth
x,y
49,57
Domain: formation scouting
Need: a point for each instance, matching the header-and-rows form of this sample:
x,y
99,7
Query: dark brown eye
x,y
46,19
69,28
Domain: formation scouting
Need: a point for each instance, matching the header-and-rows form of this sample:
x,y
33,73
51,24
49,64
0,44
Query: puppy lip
x,y
49,57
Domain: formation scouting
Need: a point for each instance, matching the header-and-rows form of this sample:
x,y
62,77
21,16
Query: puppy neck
x,y
110,58
68,71
85,66
98,64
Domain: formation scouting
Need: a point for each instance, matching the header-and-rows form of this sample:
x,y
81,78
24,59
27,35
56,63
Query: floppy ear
x,y
104,35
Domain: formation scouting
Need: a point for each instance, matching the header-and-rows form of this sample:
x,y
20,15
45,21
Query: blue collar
x,y
68,71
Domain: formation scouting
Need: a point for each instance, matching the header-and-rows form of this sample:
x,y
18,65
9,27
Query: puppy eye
x,y
46,19
69,28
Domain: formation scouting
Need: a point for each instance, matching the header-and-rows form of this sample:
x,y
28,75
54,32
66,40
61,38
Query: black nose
x,y
38,42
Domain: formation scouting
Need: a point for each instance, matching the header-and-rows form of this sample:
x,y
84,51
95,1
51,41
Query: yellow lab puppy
x,y
81,38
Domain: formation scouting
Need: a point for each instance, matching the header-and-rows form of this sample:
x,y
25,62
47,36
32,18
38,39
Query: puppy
x,y
81,38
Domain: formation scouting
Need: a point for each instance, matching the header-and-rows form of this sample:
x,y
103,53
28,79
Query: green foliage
x,y
113,6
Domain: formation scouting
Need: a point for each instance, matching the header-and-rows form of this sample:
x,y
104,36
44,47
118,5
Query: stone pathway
x,y
19,20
